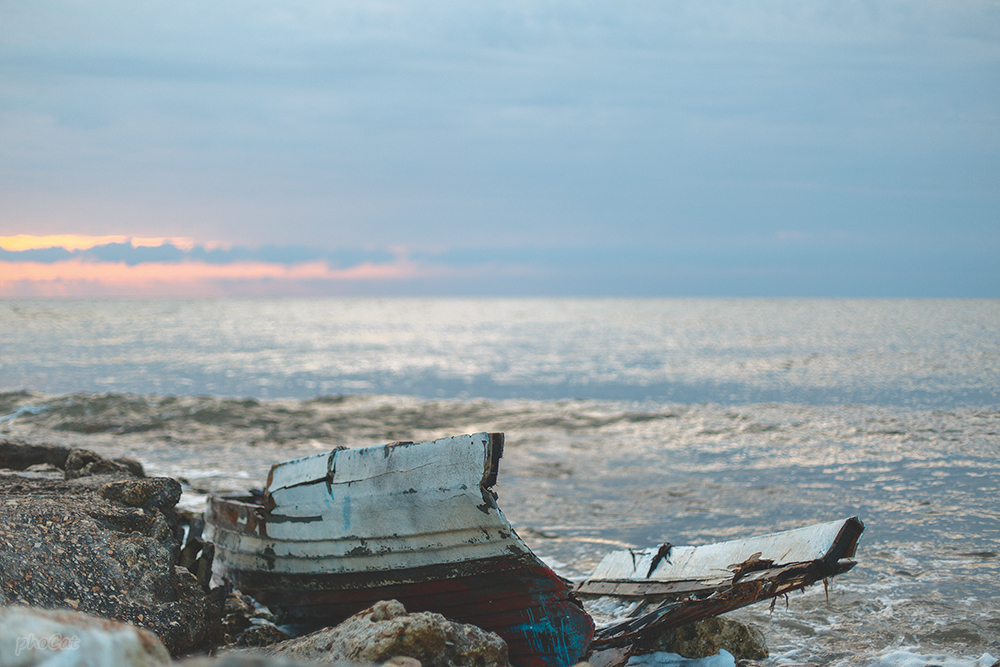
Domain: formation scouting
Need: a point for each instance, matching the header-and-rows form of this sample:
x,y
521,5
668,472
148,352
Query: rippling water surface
x,y
627,422
897,352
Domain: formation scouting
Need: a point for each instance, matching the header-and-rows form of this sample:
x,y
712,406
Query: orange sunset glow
x,y
83,275
77,242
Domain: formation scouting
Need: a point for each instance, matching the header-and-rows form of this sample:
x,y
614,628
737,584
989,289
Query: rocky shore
x,y
96,563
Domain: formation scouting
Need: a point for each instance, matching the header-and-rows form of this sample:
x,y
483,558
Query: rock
x,y
30,636
245,624
149,492
102,543
265,634
132,465
402,661
194,544
385,631
197,554
17,455
707,637
83,462
46,468
236,614
240,659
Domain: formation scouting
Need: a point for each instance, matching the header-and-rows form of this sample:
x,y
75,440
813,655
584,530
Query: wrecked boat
x,y
337,532
643,591
418,522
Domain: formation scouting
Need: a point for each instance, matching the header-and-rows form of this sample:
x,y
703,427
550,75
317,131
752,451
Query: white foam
x,y
661,659
907,657
554,563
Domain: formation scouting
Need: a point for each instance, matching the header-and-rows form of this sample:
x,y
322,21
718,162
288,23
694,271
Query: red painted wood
x,y
517,597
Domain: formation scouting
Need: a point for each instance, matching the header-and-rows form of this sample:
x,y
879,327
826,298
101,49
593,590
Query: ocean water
x,y
628,422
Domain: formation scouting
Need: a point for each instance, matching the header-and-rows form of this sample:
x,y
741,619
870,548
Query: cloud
x,y
73,265
69,242
135,251
81,278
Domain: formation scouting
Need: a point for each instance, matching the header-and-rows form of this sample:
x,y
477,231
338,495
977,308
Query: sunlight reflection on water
x,y
923,353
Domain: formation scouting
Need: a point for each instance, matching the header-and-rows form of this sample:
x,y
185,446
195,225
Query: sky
x,y
670,148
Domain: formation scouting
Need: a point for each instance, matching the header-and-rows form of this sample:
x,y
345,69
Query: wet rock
x,y
244,623
203,566
30,636
18,455
385,631
194,543
102,543
197,554
149,492
264,634
83,463
237,659
132,465
46,468
707,637
236,617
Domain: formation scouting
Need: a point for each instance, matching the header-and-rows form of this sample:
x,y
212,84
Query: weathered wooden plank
x,y
299,471
712,561
679,585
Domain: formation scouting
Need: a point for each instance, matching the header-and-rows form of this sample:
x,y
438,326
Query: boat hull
x,y
516,597
336,533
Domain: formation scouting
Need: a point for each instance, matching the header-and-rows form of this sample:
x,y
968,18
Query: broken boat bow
x,y
670,586
418,523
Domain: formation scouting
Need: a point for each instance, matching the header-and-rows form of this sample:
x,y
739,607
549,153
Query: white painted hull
x,y
337,532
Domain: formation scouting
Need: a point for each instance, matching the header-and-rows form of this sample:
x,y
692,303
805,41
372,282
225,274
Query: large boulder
x,y
386,631
31,636
101,541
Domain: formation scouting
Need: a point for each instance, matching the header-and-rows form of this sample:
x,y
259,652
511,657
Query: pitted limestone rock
x,y
72,544
386,631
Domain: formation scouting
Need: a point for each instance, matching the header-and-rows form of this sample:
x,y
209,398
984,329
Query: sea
x,y
628,422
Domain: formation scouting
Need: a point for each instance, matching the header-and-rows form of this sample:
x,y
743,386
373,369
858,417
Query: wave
x,y
334,419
